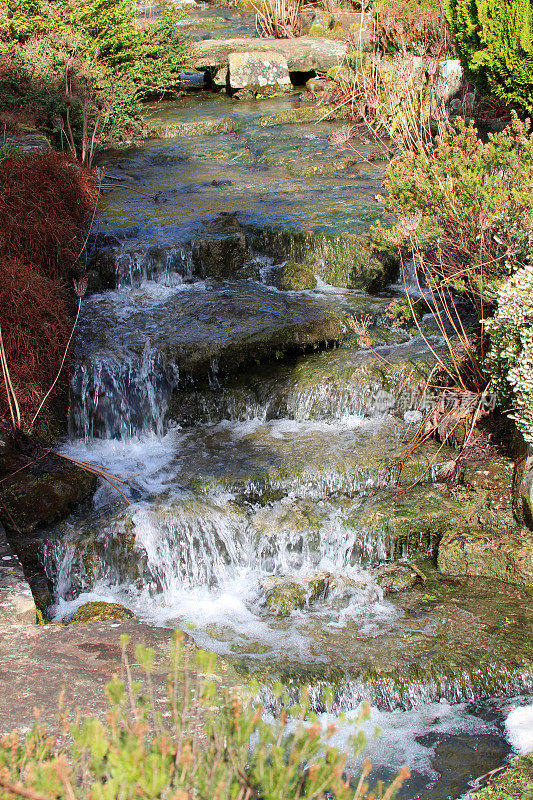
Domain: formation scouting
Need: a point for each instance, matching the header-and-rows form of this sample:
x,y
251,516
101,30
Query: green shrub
x,y
494,39
511,354
470,203
214,747
94,59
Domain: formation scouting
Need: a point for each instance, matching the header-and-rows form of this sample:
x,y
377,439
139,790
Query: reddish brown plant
x,y
45,201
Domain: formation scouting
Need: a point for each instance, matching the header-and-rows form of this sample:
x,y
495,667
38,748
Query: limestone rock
x,y
489,554
43,492
303,54
222,251
258,71
283,595
450,79
99,611
526,488
396,578
204,127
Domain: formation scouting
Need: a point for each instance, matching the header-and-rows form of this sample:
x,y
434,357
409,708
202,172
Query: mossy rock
x,y
284,595
396,578
303,114
43,493
99,611
296,277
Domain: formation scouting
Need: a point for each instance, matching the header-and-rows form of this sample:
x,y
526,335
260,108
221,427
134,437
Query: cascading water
x,y
263,518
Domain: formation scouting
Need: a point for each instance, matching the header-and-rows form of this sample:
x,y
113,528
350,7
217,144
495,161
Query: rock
x,y
98,611
206,127
223,250
395,578
231,326
349,260
303,54
340,74
220,77
258,71
42,493
490,554
296,277
17,606
450,79
526,487
303,114
283,595
486,539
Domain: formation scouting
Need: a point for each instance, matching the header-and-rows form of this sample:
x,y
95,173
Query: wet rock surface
x,y
40,490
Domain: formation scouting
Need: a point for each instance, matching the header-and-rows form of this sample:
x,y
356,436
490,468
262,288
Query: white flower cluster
x,y
511,353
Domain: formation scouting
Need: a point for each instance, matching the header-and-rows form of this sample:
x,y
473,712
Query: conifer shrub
x,y
94,60
494,39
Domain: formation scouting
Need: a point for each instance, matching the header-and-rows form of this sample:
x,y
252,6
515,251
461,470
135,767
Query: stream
x,y
255,448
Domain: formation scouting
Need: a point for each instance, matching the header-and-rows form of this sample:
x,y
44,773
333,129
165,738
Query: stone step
x,y
304,54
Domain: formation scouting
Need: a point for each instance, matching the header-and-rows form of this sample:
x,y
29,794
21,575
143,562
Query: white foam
x,y
519,726
395,738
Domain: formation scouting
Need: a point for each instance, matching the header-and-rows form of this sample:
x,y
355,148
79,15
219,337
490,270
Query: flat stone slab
x,y
39,663
304,54
257,71
17,607
190,330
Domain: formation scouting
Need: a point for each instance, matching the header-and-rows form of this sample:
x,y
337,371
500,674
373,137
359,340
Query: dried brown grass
x,y
45,203
35,329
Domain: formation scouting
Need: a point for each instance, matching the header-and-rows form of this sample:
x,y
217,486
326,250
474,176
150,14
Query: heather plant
x,y
473,200
494,39
210,745
511,352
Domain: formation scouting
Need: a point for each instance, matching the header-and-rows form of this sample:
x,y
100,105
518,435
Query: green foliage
x,y
8,151
470,203
94,58
511,354
217,747
494,39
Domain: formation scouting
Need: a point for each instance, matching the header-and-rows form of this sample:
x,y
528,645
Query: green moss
x,y
97,611
207,127
515,783
296,277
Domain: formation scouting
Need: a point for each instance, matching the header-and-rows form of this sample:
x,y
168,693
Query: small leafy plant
x,y
208,745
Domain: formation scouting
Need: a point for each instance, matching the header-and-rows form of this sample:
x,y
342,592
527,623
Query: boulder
x,y
99,611
450,79
296,277
526,488
396,578
259,71
283,594
222,251
340,24
203,127
42,493
303,54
